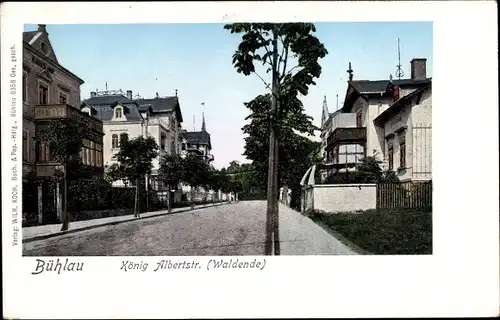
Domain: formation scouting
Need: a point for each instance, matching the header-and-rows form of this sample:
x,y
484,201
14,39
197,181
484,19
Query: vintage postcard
x,y
244,154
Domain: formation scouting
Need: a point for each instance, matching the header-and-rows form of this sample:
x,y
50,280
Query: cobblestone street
x,y
234,229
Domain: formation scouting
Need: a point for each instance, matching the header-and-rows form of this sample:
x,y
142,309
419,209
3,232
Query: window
x,y
26,146
25,86
63,99
183,146
43,152
118,112
359,118
163,139
99,158
402,151
92,154
43,94
114,141
390,151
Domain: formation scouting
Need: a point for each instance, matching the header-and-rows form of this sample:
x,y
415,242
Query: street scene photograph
x,y
238,139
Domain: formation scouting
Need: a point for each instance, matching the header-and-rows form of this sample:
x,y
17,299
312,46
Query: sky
x,y
196,59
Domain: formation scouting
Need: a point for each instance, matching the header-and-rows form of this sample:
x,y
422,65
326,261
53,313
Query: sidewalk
x,y
299,235
47,231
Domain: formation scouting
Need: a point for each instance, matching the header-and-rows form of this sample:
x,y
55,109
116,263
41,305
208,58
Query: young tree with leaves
x,y
171,173
136,158
277,46
64,138
196,173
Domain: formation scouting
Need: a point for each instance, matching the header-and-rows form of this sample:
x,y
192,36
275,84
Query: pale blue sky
x,y
196,60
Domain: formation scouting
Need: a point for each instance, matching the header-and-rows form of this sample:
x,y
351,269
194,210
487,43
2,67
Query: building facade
x,y
199,143
123,114
407,127
50,92
354,134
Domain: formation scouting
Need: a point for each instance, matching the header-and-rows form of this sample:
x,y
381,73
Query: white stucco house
x,y
121,114
407,127
376,111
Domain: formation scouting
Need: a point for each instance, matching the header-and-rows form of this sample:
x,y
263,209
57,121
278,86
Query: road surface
x,y
233,229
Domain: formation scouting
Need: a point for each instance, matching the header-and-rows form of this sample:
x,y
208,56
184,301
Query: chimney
x,y
42,28
129,94
93,94
418,69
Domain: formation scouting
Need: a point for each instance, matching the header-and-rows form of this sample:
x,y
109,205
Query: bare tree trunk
x,y
65,215
271,198
147,193
192,197
169,197
136,201
276,232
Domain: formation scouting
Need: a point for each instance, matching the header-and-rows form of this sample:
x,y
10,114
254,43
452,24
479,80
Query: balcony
x,y
345,131
62,111
346,136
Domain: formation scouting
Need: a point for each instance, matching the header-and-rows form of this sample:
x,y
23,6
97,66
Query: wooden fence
x,y
404,195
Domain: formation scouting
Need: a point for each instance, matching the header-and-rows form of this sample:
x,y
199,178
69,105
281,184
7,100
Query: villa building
x,y
123,114
366,125
50,92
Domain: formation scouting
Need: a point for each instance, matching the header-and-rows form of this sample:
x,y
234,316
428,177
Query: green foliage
x,y
115,172
136,156
295,41
64,137
368,171
172,169
196,171
296,153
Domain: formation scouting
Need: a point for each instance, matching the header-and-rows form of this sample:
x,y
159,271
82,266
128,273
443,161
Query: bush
x,y
368,171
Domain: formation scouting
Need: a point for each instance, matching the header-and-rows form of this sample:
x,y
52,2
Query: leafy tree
x,y
115,172
196,172
278,46
136,158
172,172
296,153
64,138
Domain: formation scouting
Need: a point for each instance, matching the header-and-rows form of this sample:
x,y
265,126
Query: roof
x,y
366,87
160,104
104,112
107,100
377,86
398,105
156,105
197,137
27,36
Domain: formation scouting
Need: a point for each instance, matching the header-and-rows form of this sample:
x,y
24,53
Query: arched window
x,y
114,141
118,112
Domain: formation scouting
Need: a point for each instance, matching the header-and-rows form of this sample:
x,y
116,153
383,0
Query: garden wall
x,y
340,197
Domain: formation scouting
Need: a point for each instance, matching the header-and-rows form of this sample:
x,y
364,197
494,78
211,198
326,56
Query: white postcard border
x,y
459,279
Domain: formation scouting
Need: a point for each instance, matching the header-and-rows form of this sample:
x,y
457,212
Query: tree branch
x,y
267,85
286,49
290,71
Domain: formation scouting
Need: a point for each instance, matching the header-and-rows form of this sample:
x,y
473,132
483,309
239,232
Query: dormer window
x,y
118,112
